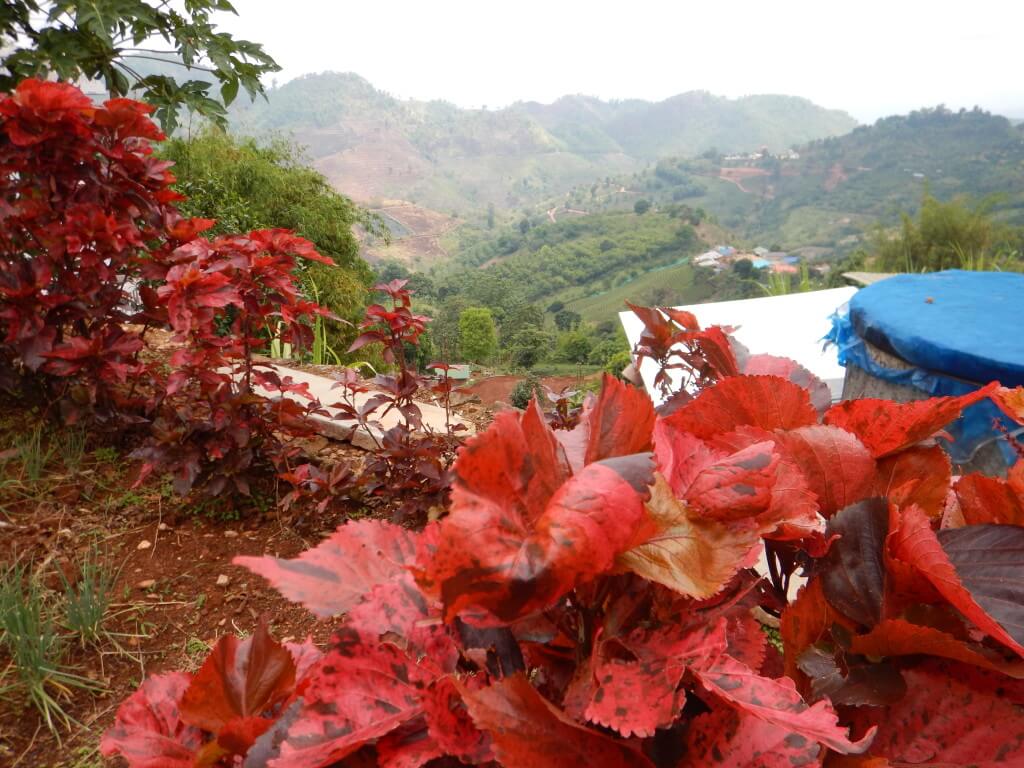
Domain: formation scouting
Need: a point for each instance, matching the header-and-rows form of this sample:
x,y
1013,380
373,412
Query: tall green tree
x,y
478,337
245,185
118,41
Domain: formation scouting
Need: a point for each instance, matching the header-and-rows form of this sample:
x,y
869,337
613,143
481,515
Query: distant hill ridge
x,y
374,146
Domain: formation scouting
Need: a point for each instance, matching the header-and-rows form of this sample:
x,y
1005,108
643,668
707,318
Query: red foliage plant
x,y
224,299
93,253
410,467
84,207
593,598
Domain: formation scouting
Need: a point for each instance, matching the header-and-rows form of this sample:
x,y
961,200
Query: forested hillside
x,y
373,146
836,188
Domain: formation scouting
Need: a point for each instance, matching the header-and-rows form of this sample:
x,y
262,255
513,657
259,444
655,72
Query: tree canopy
x,y
478,338
113,41
246,185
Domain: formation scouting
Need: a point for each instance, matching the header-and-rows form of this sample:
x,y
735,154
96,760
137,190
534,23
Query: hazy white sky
x,y
868,57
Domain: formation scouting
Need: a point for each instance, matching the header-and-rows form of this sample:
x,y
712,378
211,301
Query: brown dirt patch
x,y
495,390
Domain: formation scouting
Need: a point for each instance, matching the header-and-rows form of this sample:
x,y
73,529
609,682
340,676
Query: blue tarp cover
x,y
963,324
968,334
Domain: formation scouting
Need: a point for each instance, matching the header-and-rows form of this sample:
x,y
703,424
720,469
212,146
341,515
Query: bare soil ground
x,y
421,245
495,390
175,591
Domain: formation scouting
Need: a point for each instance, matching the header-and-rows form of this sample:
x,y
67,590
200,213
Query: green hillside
x,y
373,146
839,187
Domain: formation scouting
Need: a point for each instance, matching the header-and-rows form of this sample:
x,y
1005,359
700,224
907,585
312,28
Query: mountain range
x,y
375,147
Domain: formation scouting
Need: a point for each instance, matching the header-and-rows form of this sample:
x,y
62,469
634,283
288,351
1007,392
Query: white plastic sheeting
x,y
790,326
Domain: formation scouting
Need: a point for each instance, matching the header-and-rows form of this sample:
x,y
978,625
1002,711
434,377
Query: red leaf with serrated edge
x,y
838,468
767,402
885,426
951,716
747,641
898,637
490,557
450,726
148,731
804,622
734,739
719,484
408,746
520,532
985,499
989,561
399,612
793,511
529,732
618,423
777,702
920,475
783,367
738,486
1011,401
686,552
334,576
637,697
913,543
240,678
357,694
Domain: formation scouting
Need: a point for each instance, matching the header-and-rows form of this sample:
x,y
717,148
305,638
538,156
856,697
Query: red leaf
x,y
148,731
450,725
950,716
985,499
783,367
767,402
1011,401
885,426
491,557
989,562
399,611
778,703
838,468
804,622
913,543
529,732
897,637
685,552
854,577
357,694
240,678
734,739
918,475
334,576
637,697
517,537
619,423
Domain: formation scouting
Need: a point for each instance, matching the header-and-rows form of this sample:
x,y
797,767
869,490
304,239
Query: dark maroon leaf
x,y
853,574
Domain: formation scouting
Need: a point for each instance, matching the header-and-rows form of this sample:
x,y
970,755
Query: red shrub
x,y
84,203
411,465
225,299
590,600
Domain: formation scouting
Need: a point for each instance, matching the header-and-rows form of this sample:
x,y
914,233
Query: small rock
x,y
163,527
222,622
146,584
65,532
223,580
144,544
231,534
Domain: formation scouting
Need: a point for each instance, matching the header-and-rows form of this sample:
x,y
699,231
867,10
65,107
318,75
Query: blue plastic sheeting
x,y
975,427
962,324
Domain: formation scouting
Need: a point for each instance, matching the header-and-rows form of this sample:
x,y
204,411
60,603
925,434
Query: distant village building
x,y
760,252
761,263
725,250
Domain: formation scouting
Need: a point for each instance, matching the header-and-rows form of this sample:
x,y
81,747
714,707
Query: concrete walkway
x,y
337,427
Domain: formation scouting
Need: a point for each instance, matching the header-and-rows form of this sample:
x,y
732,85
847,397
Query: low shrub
x,y
591,598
